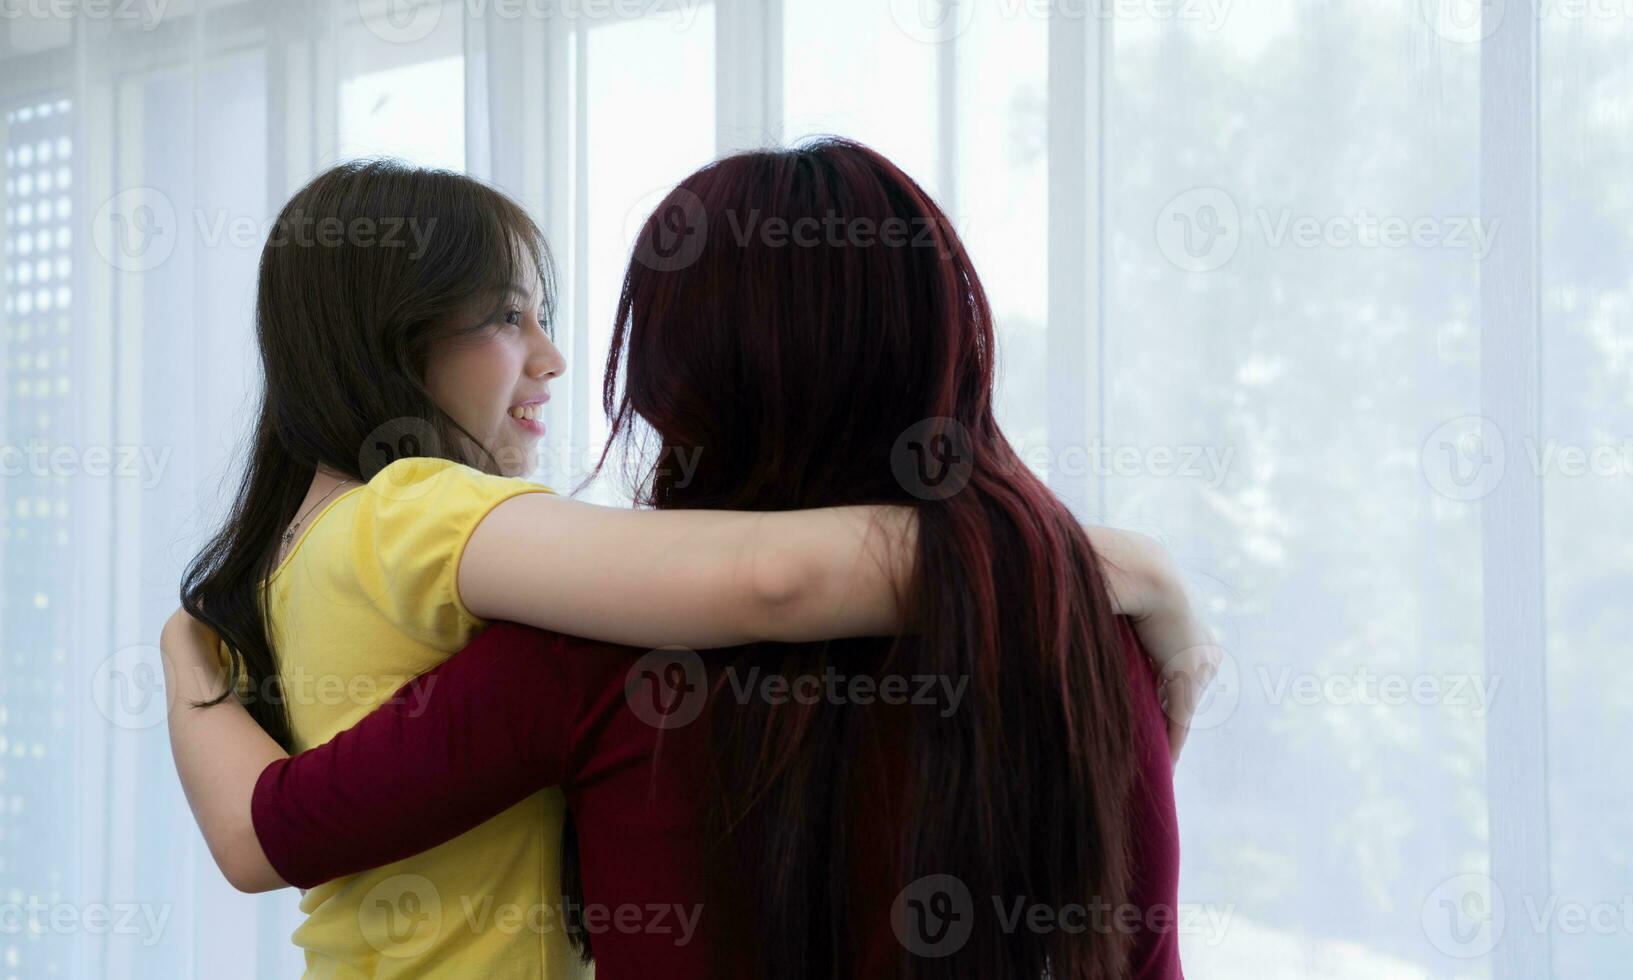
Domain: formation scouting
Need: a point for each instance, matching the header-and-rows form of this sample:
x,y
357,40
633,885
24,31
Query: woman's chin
x,y
517,459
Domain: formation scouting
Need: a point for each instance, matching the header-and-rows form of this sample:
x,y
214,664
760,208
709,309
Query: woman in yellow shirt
x,y
381,522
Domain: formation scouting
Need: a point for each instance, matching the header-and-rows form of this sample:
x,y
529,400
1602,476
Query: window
x,y
1263,279
640,132
389,89
37,518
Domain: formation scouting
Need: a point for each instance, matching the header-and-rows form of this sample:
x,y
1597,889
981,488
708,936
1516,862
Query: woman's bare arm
x,y
722,578
219,752
1148,588
691,578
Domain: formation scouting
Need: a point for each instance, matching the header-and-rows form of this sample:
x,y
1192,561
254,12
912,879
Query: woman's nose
x,y
546,360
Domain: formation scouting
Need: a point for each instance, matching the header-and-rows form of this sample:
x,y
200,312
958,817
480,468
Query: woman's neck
x,y
325,477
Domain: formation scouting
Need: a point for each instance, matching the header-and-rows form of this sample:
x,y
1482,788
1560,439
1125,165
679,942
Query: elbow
x,y
1165,579
244,864
252,881
783,587
846,577
1153,584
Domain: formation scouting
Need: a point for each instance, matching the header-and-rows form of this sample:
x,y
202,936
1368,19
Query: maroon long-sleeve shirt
x,y
521,709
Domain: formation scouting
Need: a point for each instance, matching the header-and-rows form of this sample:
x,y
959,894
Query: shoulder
x,y
428,482
420,507
407,531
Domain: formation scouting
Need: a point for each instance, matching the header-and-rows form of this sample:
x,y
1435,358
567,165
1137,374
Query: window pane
x,y
404,100
1587,383
645,130
1000,204
37,772
852,69
1291,316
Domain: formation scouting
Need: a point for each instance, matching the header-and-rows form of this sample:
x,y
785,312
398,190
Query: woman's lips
x,y
533,426
529,415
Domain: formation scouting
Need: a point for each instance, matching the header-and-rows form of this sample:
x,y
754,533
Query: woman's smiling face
x,y
494,378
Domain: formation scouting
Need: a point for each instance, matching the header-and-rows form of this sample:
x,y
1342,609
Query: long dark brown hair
x,y
810,319
365,266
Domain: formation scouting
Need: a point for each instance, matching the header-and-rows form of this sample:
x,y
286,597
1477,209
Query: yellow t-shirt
x,y
367,599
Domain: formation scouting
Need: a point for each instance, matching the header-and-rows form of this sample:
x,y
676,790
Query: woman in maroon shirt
x,y
986,795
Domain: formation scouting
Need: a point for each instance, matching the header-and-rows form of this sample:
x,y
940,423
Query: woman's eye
x,y
514,318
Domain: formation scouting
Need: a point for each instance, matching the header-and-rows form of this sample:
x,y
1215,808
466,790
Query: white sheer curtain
x,y
1333,297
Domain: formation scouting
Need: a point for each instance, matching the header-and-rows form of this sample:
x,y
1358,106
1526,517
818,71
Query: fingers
x,y
1177,733
1181,687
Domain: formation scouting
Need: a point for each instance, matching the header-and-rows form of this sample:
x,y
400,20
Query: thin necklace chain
x,y
289,535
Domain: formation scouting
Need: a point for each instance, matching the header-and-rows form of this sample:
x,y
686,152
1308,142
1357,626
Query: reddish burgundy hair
x,y
795,361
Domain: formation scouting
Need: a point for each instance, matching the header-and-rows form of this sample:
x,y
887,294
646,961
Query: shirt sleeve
x,y
410,532
452,748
